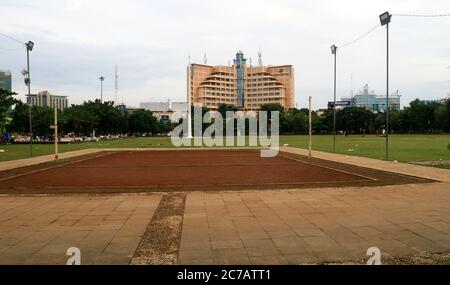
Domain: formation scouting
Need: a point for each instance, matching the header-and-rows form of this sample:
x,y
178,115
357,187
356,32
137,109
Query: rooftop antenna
x,y
250,61
205,59
260,63
189,60
116,87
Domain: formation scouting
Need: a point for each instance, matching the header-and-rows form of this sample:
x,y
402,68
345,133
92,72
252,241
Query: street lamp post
x,y
29,47
101,88
334,52
385,19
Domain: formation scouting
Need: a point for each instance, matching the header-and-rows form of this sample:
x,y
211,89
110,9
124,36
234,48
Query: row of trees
x,y
104,118
418,117
82,120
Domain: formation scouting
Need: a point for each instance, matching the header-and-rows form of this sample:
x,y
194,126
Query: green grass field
x,y
403,148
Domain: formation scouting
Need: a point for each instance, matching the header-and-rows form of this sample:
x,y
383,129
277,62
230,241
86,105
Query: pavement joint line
x,y
161,241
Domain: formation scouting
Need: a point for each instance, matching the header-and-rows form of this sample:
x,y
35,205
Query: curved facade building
x,y
244,86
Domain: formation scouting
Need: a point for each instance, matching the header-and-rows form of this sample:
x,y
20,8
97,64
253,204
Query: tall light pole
x,y
385,19
334,52
101,87
29,47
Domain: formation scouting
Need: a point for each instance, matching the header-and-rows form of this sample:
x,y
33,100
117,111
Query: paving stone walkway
x,y
239,227
39,230
315,226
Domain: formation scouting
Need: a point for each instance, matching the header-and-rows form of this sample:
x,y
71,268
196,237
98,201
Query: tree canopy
x,y
104,118
6,102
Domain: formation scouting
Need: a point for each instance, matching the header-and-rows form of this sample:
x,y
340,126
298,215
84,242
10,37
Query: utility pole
x,y
385,19
29,47
334,52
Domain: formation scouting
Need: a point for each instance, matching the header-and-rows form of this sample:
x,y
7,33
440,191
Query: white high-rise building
x,y
45,99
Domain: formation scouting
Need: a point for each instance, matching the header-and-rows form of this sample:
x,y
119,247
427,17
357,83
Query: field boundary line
x,y
208,185
332,168
190,166
52,167
398,168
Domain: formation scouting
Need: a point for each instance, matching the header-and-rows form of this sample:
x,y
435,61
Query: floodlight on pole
x,y
29,45
334,52
385,19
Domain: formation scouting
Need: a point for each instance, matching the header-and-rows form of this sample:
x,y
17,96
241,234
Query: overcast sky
x,y
76,41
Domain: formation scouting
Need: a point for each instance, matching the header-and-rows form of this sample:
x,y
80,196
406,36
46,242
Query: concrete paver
x,y
239,227
107,229
319,225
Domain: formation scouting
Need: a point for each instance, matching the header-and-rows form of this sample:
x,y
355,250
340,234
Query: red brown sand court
x,y
188,170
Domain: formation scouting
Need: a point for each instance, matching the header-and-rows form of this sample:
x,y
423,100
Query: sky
x,y
77,41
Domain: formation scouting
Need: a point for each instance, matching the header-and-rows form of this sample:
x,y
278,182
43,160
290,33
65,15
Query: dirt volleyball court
x,y
190,170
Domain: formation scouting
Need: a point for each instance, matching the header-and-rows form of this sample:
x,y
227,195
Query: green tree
x,y
142,121
355,120
42,119
272,108
299,123
79,120
6,102
19,119
442,116
110,119
420,116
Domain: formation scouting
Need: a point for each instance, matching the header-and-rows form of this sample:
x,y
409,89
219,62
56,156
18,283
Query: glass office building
x,y
368,99
5,80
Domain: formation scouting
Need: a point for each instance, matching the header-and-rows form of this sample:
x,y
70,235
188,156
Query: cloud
x,y
79,40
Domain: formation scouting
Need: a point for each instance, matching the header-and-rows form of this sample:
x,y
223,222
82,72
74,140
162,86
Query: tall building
x,y
5,80
368,99
45,99
244,86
